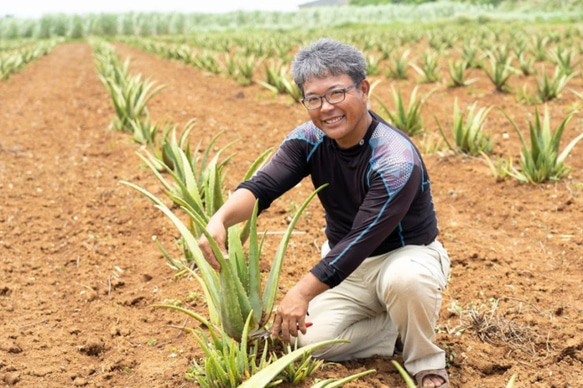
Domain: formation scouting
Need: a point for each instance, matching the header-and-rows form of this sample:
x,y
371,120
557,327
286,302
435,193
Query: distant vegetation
x,y
306,19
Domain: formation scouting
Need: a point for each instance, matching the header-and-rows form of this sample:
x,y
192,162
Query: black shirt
x,y
378,196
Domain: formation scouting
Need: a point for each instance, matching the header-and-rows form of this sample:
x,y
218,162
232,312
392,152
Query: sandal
x,y
432,372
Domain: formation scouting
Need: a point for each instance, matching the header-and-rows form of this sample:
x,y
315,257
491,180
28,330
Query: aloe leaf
x,y
511,381
408,380
237,257
212,308
174,263
254,271
258,163
208,274
208,149
334,383
443,135
568,149
149,161
231,308
190,313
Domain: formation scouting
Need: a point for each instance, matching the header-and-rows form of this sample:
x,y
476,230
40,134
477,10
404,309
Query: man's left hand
x,y
291,313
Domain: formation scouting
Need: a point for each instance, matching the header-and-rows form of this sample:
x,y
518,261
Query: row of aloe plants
x,y
14,58
473,42
485,50
236,65
235,352
129,93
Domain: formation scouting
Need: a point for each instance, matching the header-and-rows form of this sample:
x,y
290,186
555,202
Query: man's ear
x,y
365,87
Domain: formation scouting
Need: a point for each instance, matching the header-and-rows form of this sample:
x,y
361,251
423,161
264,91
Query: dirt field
x,y
79,271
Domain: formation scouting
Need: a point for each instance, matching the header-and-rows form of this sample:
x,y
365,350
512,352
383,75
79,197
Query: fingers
x,y
208,253
284,329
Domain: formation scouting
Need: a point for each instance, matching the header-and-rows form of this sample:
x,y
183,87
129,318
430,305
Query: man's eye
x,y
335,93
312,100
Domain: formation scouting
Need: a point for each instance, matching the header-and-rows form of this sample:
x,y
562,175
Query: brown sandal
x,y
432,372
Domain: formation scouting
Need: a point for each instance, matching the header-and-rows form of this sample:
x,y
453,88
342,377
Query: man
x,y
382,271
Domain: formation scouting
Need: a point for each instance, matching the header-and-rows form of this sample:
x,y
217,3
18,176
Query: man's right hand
x,y
218,231
237,208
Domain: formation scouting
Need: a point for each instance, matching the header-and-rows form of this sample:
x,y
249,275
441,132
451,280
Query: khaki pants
x,y
395,293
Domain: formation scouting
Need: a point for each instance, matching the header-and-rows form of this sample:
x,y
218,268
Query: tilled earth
x,y
80,272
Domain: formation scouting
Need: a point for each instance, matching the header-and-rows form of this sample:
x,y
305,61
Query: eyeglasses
x,y
333,97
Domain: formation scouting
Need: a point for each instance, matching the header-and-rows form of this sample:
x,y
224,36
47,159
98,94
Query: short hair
x,y
326,57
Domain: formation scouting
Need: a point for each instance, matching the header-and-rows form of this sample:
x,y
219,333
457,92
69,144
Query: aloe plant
x,y
130,100
549,88
372,65
429,67
407,119
398,66
458,75
541,161
234,292
539,46
207,61
501,168
197,181
525,64
467,131
144,131
470,54
277,80
245,70
228,363
563,57
499,73
501,53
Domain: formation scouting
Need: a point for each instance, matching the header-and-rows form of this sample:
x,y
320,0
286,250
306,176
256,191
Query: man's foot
x,y
435,378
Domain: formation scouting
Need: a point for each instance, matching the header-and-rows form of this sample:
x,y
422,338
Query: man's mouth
x,y
333,120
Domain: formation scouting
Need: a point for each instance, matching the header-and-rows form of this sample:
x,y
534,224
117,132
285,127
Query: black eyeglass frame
x,y
326,96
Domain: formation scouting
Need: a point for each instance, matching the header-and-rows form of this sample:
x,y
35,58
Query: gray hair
x,y
326,57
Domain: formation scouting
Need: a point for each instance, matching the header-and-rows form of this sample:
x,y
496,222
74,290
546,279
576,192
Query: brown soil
x,y
80,272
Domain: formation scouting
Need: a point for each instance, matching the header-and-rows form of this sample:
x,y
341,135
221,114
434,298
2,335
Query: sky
x,y
37,8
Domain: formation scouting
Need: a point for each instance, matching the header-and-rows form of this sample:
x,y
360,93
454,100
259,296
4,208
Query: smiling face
x,y
347,121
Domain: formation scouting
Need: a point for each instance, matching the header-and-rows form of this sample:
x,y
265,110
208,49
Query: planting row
x,y
17,54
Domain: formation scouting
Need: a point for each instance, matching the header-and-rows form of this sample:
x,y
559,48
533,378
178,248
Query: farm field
x,y
79,270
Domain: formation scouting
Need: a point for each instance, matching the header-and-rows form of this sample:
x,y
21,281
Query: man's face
x,y
345,121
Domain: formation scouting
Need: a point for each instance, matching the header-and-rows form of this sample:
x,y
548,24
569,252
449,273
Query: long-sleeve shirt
x,y
378,196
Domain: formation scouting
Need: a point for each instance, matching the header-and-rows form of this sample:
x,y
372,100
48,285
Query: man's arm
x,y
238,208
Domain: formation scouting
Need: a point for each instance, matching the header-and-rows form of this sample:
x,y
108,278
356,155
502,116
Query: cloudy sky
x,y
36,8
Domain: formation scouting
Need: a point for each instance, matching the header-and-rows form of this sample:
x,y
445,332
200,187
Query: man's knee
x,y
406,284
